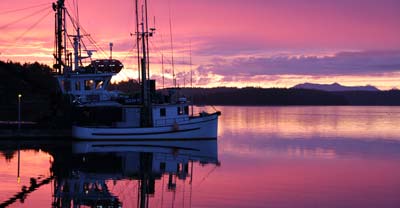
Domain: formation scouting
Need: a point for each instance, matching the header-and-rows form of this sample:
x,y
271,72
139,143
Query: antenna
x,y
147,39
111,47
78,34
172,46
154,23
77,12
184,72
190,62
162,68
138,39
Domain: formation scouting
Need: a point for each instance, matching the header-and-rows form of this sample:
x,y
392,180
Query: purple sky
x,y
269,43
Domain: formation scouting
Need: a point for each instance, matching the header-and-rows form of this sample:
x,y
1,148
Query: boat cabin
x,y
86,88
164,115
88,84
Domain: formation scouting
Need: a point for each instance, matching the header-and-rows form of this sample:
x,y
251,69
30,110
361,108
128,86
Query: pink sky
x,y
260,43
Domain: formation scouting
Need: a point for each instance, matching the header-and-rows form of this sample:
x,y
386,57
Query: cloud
x,y
342,63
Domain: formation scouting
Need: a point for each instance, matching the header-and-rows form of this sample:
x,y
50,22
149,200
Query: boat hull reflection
x,y
84,182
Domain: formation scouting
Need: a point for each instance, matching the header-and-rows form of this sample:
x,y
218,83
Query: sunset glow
x,y
234,43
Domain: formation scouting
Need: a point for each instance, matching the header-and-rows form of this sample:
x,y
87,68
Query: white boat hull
x,y
205,127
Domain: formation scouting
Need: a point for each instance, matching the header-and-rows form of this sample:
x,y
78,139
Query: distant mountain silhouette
x,y
283,97
335,87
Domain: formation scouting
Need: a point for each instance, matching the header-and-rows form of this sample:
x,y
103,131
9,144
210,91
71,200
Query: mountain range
x,y
335,87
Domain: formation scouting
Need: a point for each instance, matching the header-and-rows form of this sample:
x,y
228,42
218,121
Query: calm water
x,y
264,157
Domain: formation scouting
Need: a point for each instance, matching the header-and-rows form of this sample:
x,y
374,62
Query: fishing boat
x,y
100,114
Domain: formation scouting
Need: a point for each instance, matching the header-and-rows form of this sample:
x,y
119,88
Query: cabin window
x,y
99,84
186,110
89,84
163,112
77,86
180,111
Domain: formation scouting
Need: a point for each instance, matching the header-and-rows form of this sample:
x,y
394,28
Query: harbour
x,y
154,103
287,162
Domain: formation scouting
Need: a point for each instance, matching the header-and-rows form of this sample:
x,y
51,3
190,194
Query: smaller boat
x,y
99,114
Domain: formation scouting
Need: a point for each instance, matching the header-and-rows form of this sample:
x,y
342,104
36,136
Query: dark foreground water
x,y
264,157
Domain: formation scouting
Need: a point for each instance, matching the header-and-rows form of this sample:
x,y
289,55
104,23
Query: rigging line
x,y
72,19
86,49
183,192
75,26
24,17
191,74
74,8
122,192
147,40
184,72
158,51
71,7
172,45
25,8
162,62
75,12
128,54
29,29
91,40
191,185
208,174
173,195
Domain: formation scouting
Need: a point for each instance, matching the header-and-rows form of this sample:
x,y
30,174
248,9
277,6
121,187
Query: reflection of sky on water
x,y
325,148
310,156
307,122
270,157
105,174
311,131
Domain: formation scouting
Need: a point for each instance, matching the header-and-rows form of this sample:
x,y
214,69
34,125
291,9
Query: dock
x,y
35,134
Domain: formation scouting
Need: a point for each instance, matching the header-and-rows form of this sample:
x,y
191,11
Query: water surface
x,y
264,157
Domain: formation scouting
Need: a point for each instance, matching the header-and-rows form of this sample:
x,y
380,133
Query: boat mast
x,y
137,39
59,8
172,47
143,35
191,76
77,40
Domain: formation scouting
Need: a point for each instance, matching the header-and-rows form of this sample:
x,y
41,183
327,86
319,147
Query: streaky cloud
x,y
341,63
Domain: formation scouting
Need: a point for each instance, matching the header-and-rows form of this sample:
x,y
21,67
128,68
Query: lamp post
x,y
19,111
19,163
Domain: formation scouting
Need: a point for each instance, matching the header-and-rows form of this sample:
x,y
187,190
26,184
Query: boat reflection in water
x,y
85,181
